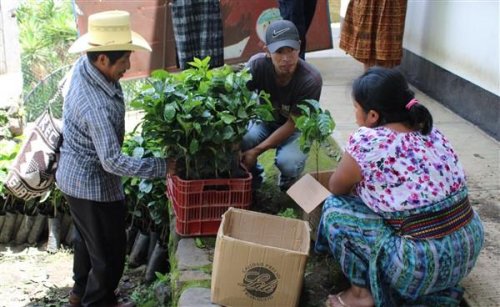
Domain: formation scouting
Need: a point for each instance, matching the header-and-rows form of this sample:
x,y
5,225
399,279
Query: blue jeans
x,y
289,160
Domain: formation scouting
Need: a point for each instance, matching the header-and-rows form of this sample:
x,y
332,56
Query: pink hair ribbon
x,y
412,102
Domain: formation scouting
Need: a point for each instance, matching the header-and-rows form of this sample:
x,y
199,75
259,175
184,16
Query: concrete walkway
x,y
478,153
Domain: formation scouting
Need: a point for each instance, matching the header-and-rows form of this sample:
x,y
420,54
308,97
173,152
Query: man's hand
x,y
171,164
249,158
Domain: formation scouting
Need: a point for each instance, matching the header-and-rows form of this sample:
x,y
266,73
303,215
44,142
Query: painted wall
x,y
459,36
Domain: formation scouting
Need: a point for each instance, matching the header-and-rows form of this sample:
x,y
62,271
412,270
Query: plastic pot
x,y
19,221
2,220
158,262
54,241
131,235
8,227
24,229
37,228
139,253
153,239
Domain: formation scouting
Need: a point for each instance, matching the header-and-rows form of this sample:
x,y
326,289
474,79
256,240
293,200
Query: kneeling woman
x,y
399,221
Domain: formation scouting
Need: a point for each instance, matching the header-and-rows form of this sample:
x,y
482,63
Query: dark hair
x,y
386,91
113,56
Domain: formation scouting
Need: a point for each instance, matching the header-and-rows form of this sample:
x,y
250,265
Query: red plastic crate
x,y
199,204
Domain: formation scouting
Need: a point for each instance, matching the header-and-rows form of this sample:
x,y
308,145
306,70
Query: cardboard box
x,y
259,259
309,192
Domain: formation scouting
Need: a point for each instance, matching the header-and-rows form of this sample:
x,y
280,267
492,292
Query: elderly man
x,y
289,80
91,162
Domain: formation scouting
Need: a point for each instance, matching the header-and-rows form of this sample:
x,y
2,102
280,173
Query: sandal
x,y
335,300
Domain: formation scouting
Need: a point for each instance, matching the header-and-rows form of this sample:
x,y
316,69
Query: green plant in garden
x,y
46,30
200,115
316,126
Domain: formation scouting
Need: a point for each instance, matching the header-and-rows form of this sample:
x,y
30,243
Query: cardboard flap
x,y
308,193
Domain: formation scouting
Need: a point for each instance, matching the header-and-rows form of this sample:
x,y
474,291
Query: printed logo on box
x,y
260,281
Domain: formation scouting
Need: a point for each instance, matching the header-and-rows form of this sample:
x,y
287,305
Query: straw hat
x,y
109,31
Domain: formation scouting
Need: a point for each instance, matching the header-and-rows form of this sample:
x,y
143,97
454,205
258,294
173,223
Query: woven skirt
x,y
398,270
372,31
198,31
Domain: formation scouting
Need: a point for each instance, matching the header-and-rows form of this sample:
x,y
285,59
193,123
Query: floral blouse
x,y
402,171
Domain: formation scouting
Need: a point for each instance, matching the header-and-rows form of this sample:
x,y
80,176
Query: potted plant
x,y
57,203
27,221
199,116
9,147
316,125
158,246
147,203
8,152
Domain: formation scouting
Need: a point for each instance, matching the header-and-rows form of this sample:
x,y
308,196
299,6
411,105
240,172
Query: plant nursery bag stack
x,y
259,259
309,192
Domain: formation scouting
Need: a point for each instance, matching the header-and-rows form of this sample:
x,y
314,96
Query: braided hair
x,y
386,91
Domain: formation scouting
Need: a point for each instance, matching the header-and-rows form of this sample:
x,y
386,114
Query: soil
x,y
33,277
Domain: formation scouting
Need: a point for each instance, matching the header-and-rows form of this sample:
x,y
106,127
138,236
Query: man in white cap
x,y
91,162
289,80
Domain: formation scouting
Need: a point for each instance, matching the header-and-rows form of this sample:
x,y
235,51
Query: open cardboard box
x,y
259,259
309,192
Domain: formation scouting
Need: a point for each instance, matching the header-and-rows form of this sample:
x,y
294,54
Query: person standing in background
x,y
198,31
301,13
372,31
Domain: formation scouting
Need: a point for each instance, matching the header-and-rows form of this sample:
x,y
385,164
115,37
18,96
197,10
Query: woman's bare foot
x,y
352,297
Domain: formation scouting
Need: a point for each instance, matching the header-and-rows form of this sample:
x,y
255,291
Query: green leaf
x,y
229,84
227,118
160,74
199,243
138,139
194,147
137,103
169,112
228,133
242,113
145,186
138,152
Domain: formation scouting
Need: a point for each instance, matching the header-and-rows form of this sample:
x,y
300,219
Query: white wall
x,y
459,36
11,59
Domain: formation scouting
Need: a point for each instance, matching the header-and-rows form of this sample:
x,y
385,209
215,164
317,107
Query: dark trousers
x,y
100,247
301,13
